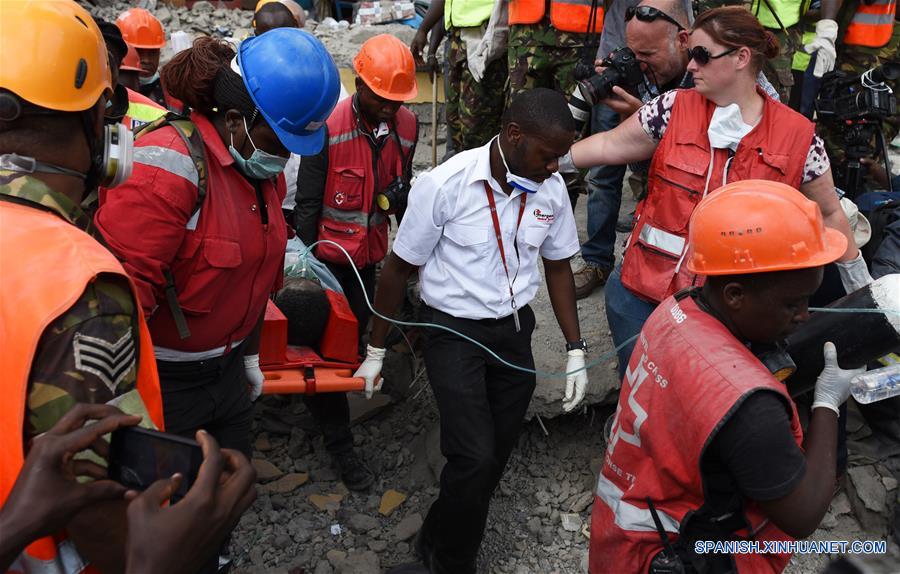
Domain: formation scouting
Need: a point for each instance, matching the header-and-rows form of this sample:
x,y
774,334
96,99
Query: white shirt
x,y
448,231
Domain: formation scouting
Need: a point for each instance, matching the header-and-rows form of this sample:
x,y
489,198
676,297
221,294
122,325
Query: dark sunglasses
x,y
702,56
649,14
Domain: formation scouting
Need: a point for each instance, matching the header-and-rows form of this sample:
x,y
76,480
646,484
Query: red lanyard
x,y
498,234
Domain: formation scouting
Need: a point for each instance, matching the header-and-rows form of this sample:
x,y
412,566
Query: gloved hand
x,y
833,384
854,274
823,46
566,164
576,383
370,369
255,375
477,61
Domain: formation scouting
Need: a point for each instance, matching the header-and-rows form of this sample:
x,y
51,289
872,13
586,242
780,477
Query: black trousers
x,y
331,410
212,395
482,404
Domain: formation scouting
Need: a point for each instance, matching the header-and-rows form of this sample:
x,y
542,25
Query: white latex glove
x,y
576,383
854,274
255,375
823,46
566,164
370,369
833,384
476,60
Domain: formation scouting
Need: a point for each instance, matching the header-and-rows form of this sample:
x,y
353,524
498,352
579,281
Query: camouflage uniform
x,y
473,108
540,56
102,319
701,6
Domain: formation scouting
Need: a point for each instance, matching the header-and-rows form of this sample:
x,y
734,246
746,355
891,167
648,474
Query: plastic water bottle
x,y
876,385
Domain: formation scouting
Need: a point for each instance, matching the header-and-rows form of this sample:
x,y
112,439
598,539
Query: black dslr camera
x,y
622,69
394,198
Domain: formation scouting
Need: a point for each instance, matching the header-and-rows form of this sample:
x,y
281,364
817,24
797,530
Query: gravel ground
x,y
550,475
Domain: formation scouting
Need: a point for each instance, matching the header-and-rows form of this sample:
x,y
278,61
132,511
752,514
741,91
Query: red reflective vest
x,y
872,24
224,260
565,15
40,241
350,216
775,149
685,378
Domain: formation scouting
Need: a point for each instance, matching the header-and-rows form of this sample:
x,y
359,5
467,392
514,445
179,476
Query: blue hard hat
x,y
294,83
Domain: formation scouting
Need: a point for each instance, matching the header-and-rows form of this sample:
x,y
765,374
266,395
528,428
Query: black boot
x,y
353,471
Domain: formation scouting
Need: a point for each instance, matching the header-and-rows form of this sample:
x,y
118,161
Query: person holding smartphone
x,y
174,539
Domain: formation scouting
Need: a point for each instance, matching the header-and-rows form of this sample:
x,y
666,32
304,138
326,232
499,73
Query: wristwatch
x,y
579,344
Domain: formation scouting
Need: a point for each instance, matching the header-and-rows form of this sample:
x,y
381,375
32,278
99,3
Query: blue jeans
x,y
604,198
626,315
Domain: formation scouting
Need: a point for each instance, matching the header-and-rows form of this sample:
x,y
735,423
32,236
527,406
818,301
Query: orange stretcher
x,y
291,369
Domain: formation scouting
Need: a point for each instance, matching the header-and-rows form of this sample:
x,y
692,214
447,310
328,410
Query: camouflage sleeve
x,y
85,355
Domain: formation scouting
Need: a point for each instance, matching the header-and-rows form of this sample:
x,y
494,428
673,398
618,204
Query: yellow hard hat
x,y
52,54
295,8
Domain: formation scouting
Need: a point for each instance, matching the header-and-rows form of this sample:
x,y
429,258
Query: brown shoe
x,y
589,278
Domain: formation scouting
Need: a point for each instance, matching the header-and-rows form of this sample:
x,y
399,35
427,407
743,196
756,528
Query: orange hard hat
x,y
386,65
141,29
757,226
295,9
131,61
52,54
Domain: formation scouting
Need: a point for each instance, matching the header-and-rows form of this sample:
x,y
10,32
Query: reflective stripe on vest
x,y
565,15
354,217
39,241
775,150
788,11
467,13
685,380
662,240
66,561
872,24
175,163
629,516
350,216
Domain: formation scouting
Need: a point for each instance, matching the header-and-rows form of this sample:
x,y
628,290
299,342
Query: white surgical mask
x,y
727,127
517,181
149,79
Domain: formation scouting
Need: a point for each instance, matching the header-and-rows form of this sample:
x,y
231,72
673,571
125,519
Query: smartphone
x,y
139,457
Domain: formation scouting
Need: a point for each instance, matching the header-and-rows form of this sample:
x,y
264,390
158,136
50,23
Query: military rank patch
x,y
110,362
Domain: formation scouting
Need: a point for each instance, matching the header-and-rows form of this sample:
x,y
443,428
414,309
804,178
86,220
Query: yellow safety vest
x,y
467,13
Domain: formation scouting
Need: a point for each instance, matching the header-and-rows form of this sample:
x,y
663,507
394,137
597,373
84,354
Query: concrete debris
x,y
336,557
390,500
408,527
262,443
326,502
365,562
363,523
869,499
287,483
868,487
265,470
571,522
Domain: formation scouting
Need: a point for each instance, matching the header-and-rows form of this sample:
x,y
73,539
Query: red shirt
x,y
226,260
